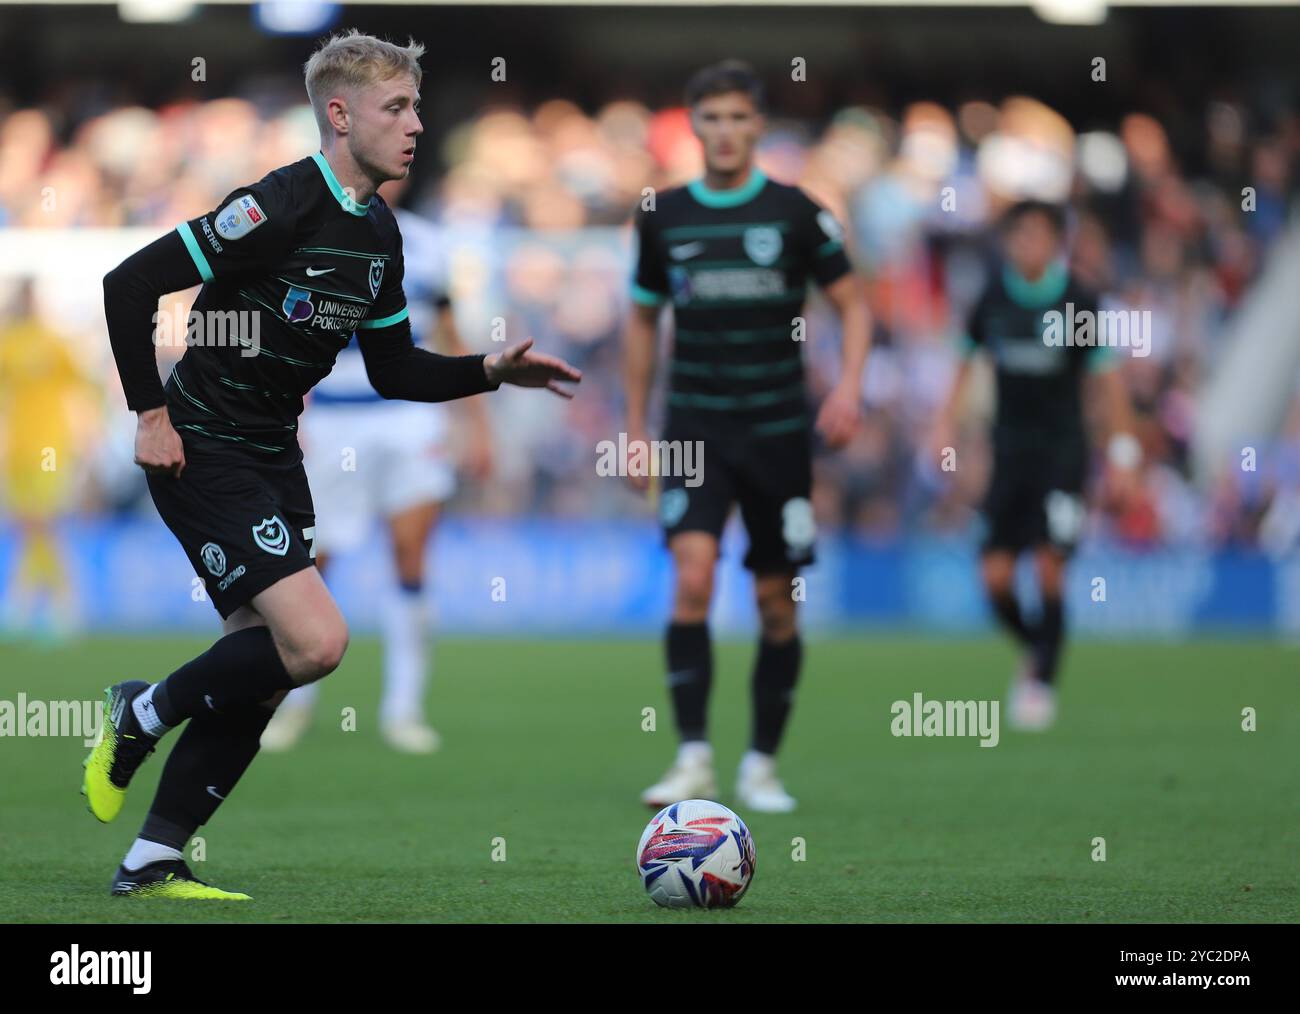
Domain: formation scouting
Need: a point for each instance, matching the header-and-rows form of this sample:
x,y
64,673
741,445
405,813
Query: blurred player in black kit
x,y
1035,500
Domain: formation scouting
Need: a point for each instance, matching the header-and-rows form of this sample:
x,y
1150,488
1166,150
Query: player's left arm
x,y
1123,450
844,289
398,369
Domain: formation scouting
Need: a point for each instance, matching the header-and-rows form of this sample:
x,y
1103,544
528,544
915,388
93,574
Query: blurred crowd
x,y
533,208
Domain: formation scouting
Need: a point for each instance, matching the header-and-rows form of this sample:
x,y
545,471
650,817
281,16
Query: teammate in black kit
x,y
733,254
1040,450
292,266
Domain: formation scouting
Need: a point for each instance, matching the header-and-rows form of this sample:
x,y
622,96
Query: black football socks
x,y
1007,608
1051,635
776,671
243,668
209,758
690,675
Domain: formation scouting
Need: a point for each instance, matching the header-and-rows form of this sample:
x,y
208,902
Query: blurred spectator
x,y
534,205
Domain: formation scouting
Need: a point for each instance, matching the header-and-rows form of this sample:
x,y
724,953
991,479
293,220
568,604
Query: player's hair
x,y
724,77
1054,213
351,60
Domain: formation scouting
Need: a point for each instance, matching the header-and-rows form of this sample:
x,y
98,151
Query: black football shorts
x,y
770,477
244,522
1035,497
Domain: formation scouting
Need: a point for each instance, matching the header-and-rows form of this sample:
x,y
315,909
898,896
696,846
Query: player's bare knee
x,y
1050,582
778,627
319,654
331,647
999,573
1051,572
694,588
777,613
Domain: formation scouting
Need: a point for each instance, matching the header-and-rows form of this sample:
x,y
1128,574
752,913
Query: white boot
x,y
758,788
1032,704
286,727
690,777
411,735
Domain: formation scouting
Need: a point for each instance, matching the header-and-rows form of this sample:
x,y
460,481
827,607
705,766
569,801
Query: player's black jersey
x,y
1039,383
735,265
292,266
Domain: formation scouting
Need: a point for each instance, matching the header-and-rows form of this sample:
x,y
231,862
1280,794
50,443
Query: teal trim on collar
x,y
1102,359
646,297
728,198
1029,295
336,188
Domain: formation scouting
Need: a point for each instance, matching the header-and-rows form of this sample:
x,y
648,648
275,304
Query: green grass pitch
x,y
544,748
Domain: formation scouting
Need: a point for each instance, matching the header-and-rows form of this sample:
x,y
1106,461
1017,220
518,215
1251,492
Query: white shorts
x,y
371,461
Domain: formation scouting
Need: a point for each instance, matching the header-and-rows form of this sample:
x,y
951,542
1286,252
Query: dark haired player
x,y
292,266
732,253
1040,452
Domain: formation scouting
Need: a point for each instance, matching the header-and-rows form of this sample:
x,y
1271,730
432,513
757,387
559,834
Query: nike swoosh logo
x,y
313,272
212,791
681,677
686,250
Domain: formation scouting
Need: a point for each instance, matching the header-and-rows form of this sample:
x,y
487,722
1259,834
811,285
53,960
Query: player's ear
x,y
336,111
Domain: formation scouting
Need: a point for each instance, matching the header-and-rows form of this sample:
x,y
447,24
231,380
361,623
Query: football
x,y
696,854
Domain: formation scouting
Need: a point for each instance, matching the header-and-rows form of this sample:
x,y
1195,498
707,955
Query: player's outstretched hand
x,y
516,365
158,447
839,416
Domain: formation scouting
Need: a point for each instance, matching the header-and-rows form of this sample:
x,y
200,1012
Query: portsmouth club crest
x,y
763,244
272,536
376,276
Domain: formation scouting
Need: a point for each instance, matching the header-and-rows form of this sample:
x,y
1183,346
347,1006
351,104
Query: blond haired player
x,y
296,263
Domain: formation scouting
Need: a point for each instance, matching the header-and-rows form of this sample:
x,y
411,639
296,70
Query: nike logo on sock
x,y
212,791
208,699
681,677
